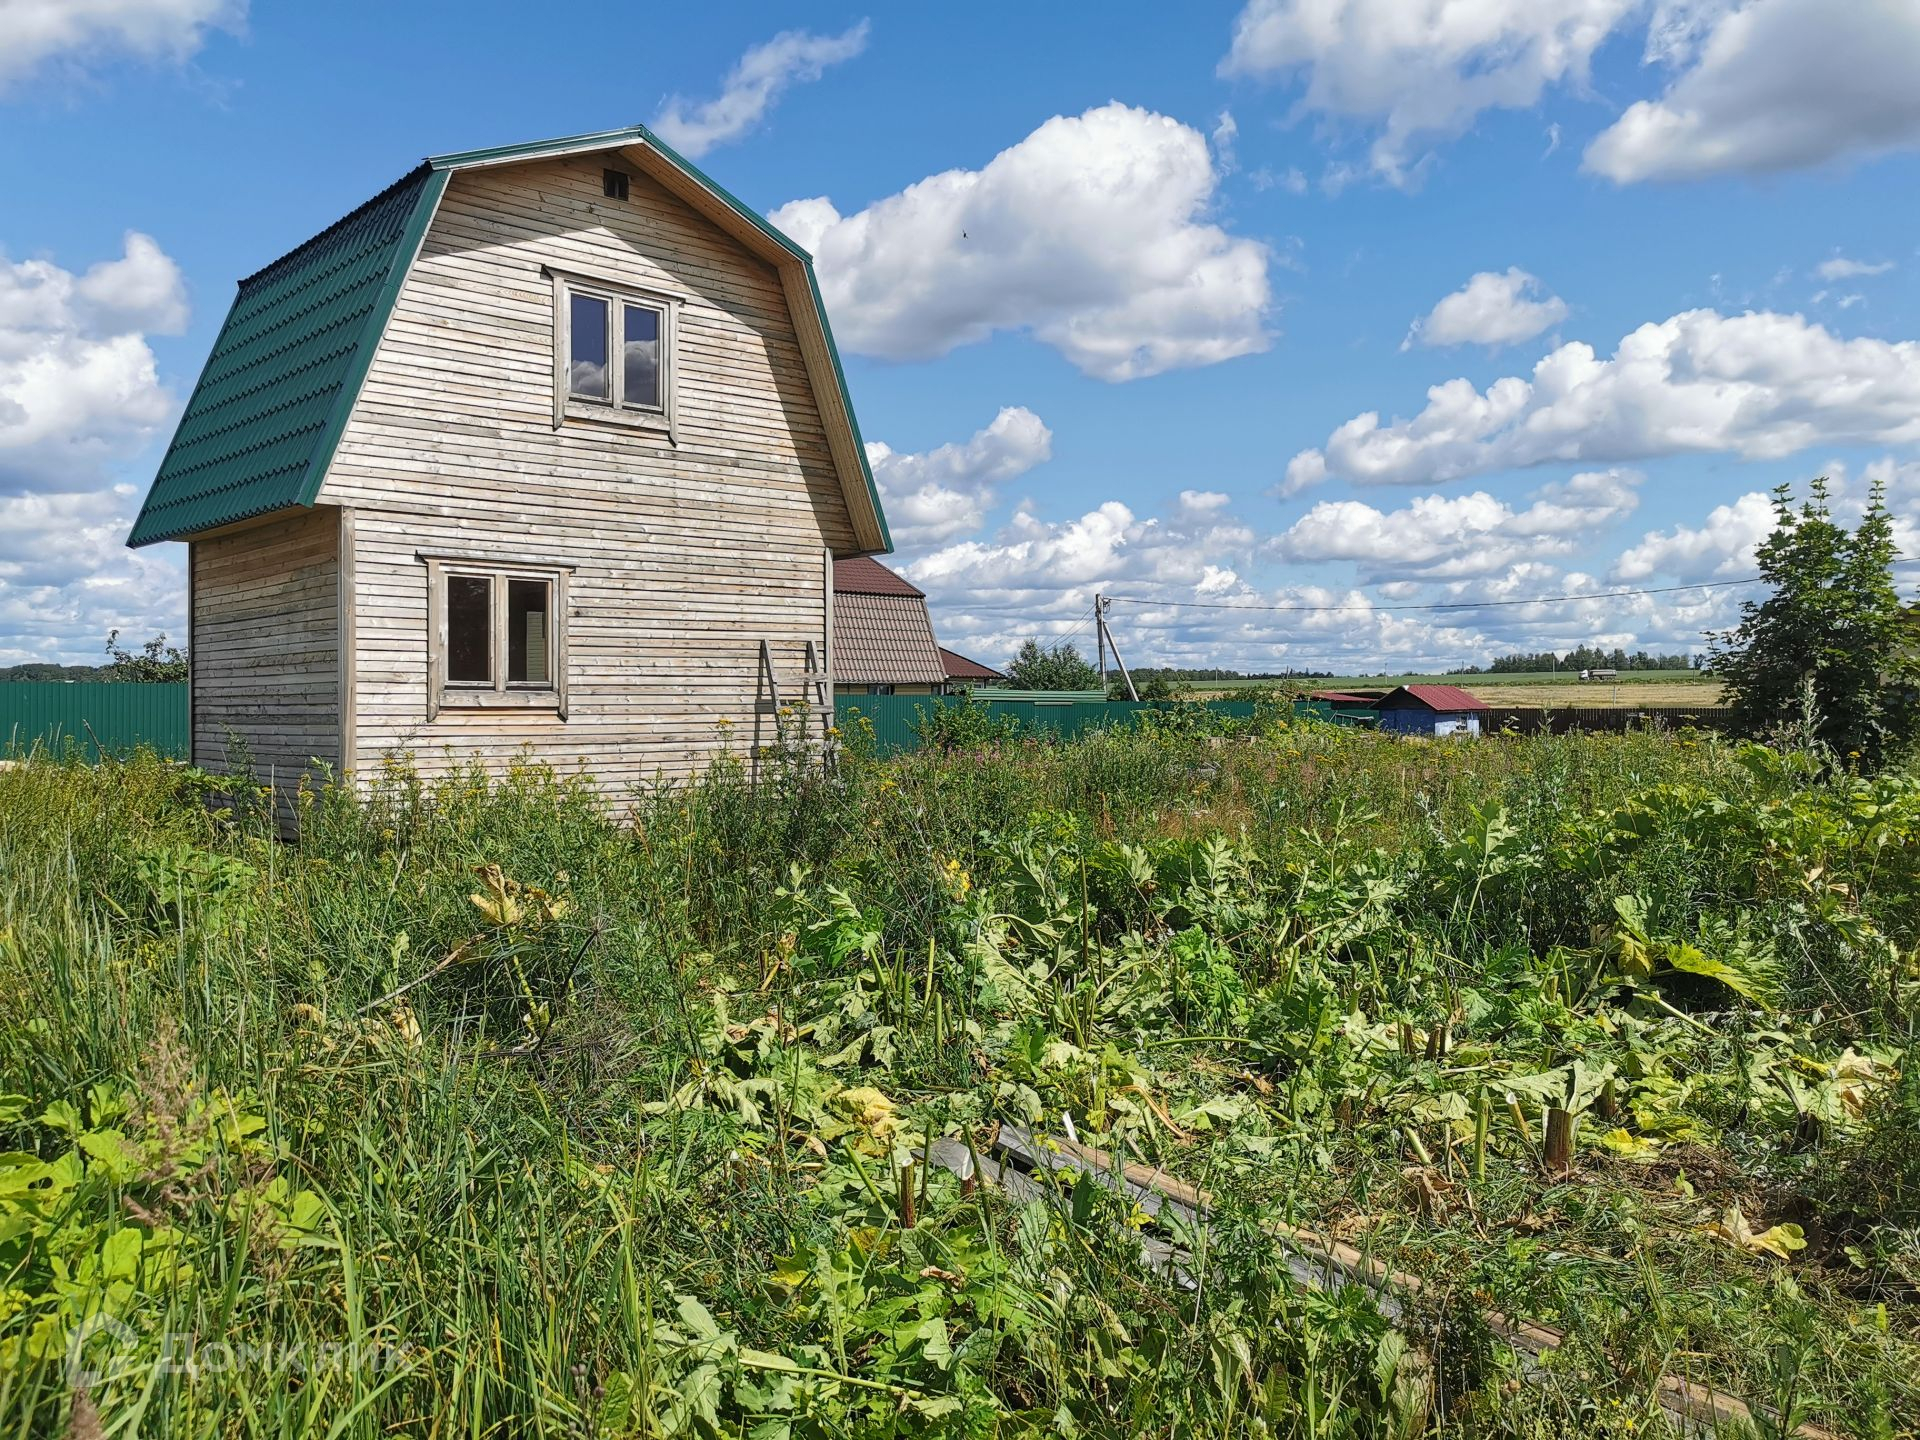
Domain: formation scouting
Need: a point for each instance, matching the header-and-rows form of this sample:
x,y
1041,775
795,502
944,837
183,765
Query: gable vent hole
x,y
613,184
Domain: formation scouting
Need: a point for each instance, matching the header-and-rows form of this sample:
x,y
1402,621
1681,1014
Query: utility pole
x,y
1103,637
1100,637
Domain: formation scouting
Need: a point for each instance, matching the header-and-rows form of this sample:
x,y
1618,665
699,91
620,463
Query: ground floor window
x,y
496,635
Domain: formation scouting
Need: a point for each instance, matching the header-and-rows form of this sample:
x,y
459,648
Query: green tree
x,y
1833,625
155,663
1060,667
1156,685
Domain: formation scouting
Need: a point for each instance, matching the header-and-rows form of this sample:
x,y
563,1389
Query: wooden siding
x,y
266,654
684,556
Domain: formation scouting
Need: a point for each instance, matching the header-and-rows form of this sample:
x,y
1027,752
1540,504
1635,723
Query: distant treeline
x,y
1581,657
155,662
1179,674
40,670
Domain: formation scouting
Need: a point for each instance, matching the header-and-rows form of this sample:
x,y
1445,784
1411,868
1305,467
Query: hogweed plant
x,y
492,1107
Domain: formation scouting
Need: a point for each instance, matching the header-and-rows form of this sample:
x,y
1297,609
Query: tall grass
x,y
630,1151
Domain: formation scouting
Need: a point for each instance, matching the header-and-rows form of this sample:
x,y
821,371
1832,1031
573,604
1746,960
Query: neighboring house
x,y
1430,710
531,452
882,639
964,674
1344,698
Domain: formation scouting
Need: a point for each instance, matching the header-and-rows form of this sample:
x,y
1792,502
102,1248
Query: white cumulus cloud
x,y
1108,545
1762,385
1772,85
1719,548
1490,309
78,385
936,495
1091,234
67,577
1450,537
79,396
751,88
82,33
1420,71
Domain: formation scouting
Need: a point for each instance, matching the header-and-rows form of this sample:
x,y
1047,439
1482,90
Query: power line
x,y
1449,605
1069,637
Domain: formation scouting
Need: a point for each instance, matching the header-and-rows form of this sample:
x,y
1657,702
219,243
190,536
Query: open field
x,y
1496,690
481,1111
1645,687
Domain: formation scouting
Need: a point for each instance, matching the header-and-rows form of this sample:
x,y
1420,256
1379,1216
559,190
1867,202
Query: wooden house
x,y
964,674
1430,710
882,637
544,449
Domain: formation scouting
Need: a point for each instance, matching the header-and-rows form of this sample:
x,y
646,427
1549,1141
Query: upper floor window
x,y
614,352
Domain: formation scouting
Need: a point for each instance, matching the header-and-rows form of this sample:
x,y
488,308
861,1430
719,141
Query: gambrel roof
x,y
261,427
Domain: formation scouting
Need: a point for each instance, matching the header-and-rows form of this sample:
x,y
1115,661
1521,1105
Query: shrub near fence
x,y
95,716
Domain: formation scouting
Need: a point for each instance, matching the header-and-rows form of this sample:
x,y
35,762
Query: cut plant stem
x,y
1559,1153
1482,1116
1420,1150
1519,1113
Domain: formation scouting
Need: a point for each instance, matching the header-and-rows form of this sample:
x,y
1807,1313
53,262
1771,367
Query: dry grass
x,y
1626,695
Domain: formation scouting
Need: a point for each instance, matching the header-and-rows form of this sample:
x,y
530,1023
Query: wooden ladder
x,y
814,698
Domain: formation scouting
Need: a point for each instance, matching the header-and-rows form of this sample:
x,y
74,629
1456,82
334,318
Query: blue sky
x,y
1119,286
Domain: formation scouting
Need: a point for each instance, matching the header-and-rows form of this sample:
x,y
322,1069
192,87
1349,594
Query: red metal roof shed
x,y
1431,697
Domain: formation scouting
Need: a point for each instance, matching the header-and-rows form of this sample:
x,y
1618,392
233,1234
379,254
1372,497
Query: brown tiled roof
x,y
863,575
1435,697
1342,697
959,667
884,639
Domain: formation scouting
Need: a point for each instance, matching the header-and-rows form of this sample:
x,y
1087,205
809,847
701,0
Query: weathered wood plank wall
x,y
266,658
685,555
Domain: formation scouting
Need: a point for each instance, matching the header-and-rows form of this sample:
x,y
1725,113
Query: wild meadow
x,y
491,1109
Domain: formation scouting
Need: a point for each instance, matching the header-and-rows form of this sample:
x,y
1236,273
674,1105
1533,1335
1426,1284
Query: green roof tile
x,y
262,424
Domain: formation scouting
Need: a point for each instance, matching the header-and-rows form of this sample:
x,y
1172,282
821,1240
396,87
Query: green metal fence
x,y
94,716
896,719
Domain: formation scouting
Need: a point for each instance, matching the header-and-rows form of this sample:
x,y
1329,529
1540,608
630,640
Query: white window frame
x,y
615,410
499,693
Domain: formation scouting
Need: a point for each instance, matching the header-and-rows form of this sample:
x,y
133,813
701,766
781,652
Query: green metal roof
x,y
265,418
263,421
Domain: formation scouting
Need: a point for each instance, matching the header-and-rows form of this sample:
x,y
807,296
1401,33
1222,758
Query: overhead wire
x,y
1362,605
